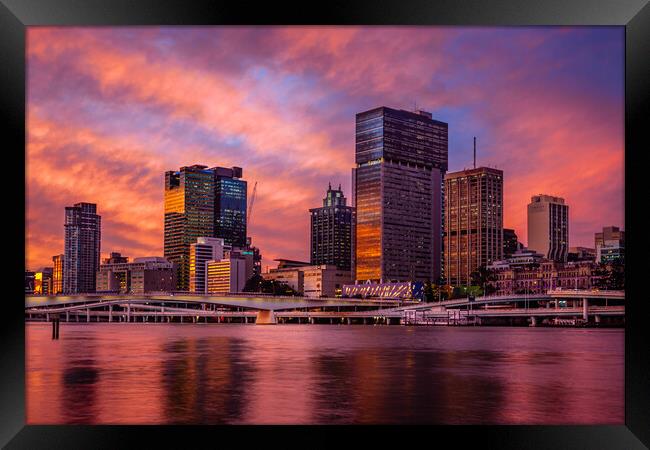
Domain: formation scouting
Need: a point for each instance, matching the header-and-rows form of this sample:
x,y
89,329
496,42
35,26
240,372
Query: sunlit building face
x,y
202,202
401,158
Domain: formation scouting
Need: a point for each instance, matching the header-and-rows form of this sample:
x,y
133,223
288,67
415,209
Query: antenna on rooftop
x,y
475,152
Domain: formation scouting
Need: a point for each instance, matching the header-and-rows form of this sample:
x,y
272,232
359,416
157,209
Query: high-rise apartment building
x,y
473,234
82,248
548,227
57,274
332,227
203,250
202,202
401,159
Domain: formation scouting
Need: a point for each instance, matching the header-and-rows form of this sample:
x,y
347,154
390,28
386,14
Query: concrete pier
x,y
265,318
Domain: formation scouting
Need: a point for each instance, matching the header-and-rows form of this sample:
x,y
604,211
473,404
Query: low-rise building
x,y
324,281
203,250
311,280
227,276
149,274
291,276
43,281
581,254
610,245
542,275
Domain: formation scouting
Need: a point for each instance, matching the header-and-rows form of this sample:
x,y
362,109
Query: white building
x,y
312,281
548,227
205,249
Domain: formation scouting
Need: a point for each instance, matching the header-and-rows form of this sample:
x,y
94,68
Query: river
x,y
127,373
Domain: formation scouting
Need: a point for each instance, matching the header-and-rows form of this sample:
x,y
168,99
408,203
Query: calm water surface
x,y
216,373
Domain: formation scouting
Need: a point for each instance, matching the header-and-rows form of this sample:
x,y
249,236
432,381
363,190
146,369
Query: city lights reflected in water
x,y
235,374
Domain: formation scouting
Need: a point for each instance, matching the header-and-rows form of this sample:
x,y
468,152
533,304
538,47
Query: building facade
x,y
226,276
401,159
510,242
548,227
324,280
543,275
57,274
203,250
473,235
143,275
29,282
82,248
230,206
610,245
43,281
332,227
581,254
312,280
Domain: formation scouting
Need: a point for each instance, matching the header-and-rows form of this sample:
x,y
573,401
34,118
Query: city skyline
x,y
109,110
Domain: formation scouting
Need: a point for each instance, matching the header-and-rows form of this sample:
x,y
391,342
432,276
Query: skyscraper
x,y
331,231
230,206
548,226
401,159
202,202
473,222
189,214
202,251
82,248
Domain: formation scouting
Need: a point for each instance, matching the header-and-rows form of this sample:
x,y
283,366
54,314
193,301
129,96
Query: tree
x,y
484,278
258,284
429,294
610,276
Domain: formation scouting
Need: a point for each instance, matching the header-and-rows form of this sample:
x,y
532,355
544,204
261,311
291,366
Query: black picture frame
x,y
634,15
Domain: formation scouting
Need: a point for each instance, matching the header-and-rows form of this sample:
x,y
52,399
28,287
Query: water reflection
x,y
79,380
205,380
212,374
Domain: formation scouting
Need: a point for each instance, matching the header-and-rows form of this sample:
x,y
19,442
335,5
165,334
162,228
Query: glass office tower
x,y
401,159
189,214
230,206
202,202
82,248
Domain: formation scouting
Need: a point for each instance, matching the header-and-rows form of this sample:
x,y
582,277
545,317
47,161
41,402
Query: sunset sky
x,y
109,110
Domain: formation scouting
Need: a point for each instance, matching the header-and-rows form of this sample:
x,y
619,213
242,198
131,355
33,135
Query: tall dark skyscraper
x,y
510,242
82,248
332,228
230,206
202,202
401,159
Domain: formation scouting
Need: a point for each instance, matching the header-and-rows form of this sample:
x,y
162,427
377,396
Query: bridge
x,y
165,307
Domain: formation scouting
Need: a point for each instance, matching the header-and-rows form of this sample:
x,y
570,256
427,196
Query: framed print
x,y
400,222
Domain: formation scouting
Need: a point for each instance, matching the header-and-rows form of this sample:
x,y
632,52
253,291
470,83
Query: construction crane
x,y
250,205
